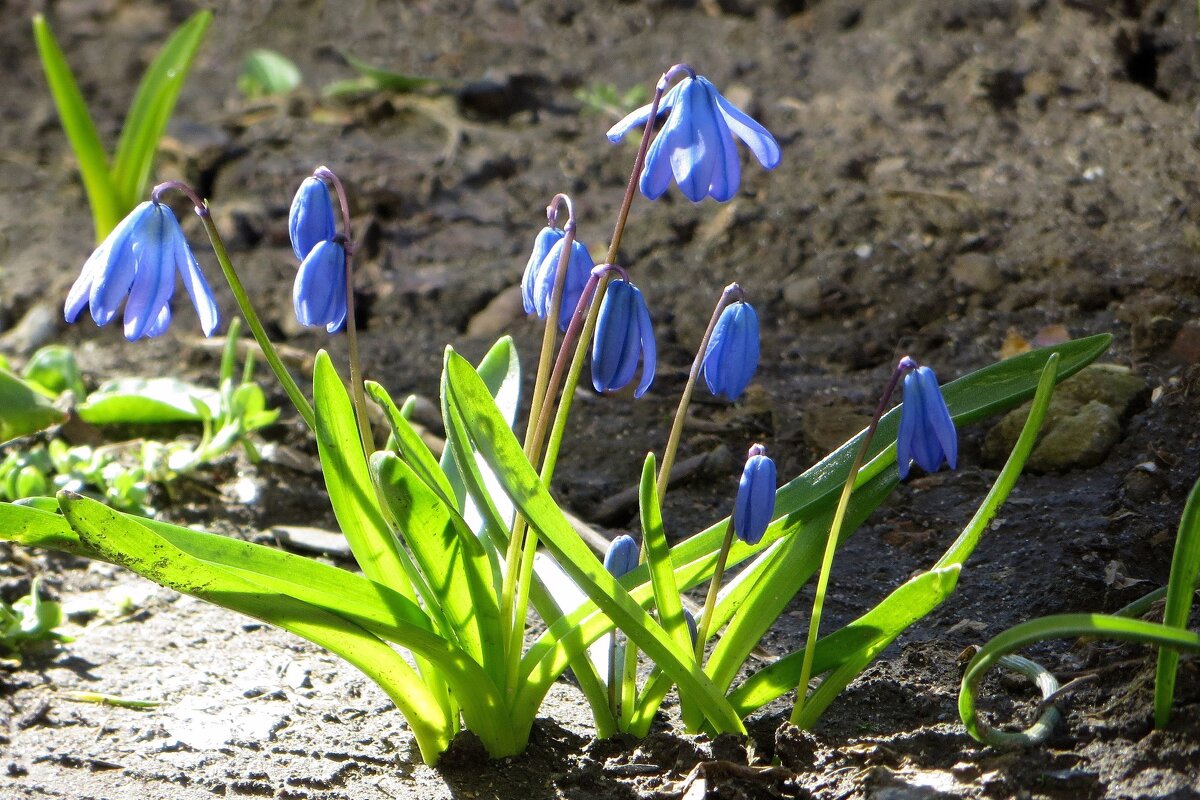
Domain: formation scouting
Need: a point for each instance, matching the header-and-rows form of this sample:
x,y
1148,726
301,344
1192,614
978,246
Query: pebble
x,y
1082,424
498,315
976,272
312,540
35,329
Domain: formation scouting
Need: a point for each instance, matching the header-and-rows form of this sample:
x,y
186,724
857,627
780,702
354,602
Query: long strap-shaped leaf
x,y
152,106
107,208
450,557
120,540
1185,564
500,448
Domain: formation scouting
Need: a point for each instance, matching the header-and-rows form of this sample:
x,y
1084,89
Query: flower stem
x,y
668,459
303,407
356,384
835,531
710,600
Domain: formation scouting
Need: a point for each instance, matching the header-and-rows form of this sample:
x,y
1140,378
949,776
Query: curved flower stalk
x,y
696,146
136,263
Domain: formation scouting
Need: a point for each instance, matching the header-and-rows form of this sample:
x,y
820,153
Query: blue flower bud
x,y
138,261
696,145
311,220
319,294
756,497
732,353
546,239
622,556
537,288
927,434
623,333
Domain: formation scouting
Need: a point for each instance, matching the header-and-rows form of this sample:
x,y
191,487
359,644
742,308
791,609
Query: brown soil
x,y
953,170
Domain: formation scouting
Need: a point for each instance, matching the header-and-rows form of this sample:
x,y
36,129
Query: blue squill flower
x,y
756,496
622,556
537,285
927,434
311,220
623,334
696,145
732,353
319,294
138,261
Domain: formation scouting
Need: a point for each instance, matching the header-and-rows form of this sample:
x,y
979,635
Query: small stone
x,y
35,329
976,272
498,315
312,540
1186,346
803,293
827,427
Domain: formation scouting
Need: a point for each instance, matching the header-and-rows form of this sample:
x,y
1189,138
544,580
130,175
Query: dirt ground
x,y
954,172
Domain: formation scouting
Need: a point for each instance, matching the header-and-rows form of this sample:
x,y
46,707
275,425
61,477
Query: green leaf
x,y
120,540
148,401
53,368
103,195
449,556
151,109
492,437
266,72
382,79
1062,626
22,410
1185,565
411,446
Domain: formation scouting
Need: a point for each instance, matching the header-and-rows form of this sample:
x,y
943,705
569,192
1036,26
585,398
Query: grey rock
x,y
976,272
35,329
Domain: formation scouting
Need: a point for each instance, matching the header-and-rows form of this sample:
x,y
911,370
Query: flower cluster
x,y
319,293
136,264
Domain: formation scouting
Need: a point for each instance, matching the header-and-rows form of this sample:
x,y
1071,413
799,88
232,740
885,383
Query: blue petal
x,y
637,118
649,347
615,344
154,276
910,412
542,243
727,167
657,171
337,308
310,220
938,417
316,289
756,137
96,265
755,504
579,271
112,282
694,158
161,323
193,279
732,353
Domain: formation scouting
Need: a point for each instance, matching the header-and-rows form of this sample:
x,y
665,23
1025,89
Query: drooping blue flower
x,y
623,334
927,434
138,261
732,353
696,145
311,219
622,556
537,285
319,294
756,496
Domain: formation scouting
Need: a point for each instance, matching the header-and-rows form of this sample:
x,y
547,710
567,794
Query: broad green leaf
x,y
1062,626
266,72
103,195
448,555
492,437
23,410
121,540
53,369
148,401
151,109
1185,565
412,447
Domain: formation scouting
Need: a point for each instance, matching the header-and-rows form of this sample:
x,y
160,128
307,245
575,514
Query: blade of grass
x,y
1185,564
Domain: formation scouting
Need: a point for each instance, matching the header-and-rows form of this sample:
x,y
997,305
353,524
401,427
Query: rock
x,y
312,540
498,315
827,427
1186,346
1082,424
426,413
35,329
803,293
976,272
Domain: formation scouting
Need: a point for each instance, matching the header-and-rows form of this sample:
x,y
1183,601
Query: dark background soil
x,y
954,171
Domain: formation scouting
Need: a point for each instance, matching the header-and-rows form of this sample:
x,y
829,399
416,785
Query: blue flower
x,y
139,260
623,333
537,284
696,145
927,433
732,353
319,294
622,556
311,220
756,497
